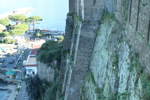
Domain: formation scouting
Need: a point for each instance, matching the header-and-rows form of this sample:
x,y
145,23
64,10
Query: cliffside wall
x,y
45,72
106,50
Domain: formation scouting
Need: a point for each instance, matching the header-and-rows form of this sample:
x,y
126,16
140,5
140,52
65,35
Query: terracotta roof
x,y
45,30
34,49
36,46
30,65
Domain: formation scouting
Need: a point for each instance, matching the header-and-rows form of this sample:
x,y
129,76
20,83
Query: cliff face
x,y
106,50
45,72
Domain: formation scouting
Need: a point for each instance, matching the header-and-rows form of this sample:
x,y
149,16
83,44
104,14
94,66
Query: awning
x,y
10,72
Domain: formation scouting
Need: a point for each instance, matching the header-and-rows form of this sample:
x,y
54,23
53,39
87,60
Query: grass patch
x,y
144,4
142,75
140,35
77,18
107,16
123,96
148,45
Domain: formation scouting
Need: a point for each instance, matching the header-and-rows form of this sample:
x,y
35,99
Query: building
x,y
31,63
2,27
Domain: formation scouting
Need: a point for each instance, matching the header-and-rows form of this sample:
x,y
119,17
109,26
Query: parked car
x,y
15,67
4,51
2,60
1,65
8,54
12,61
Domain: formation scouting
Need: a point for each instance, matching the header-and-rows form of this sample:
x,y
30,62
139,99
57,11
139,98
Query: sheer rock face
x,y
45,72
100,51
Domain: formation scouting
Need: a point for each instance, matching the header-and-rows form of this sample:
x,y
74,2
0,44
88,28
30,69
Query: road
x,y
22,93
19,73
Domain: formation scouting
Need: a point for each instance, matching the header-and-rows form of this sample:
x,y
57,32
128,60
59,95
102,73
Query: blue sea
x,y
53,12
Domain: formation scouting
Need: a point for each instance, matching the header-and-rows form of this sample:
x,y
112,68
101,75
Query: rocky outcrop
x,y
106,50
45,72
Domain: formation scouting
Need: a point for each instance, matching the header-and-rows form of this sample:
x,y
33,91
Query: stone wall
x,y
138,30
113,75
45,72
99,39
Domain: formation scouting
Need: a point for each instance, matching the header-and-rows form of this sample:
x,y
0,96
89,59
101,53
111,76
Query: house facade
x,y
31,63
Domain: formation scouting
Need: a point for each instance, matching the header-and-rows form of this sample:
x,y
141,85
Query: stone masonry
x,y
134,19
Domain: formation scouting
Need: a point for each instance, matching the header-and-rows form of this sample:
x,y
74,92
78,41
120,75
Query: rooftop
x,y
31,60
34,49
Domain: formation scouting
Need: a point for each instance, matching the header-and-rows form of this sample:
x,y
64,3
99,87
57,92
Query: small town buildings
x,y
31,63
2,27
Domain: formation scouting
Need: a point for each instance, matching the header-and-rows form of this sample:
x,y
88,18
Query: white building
x,y
31,63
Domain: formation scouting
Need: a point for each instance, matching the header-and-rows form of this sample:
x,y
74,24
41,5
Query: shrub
x,y
50,51
8,41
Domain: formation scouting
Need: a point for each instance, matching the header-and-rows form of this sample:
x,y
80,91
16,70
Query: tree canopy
x,y
21,26
50,51
4,34
33,85
17,18
38,34
19,29
4,21
60,38
33,19
8,41
17,32
9,27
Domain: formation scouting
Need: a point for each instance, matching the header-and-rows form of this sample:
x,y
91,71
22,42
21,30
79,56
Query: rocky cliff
x,y
106,50
45,72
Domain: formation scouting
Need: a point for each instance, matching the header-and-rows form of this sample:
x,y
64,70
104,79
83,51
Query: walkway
x,y
13,91
22,93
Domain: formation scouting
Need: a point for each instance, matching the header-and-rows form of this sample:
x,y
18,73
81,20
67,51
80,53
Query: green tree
x,y
50,51
4,34
38,34
8,41
33,85
23,27
17,32
9,27
4,21
33,20
60,38
17,18
19,29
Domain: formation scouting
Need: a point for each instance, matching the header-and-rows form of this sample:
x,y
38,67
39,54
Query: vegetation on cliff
x,y
41,89
50,51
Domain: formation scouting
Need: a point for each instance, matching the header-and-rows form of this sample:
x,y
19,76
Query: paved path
x,y
13,92
22,93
